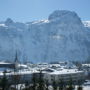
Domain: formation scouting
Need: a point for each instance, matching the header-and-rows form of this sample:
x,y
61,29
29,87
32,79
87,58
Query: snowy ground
x,y
86,85
86,88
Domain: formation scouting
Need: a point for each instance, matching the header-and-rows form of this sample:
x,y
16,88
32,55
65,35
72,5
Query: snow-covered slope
x,y
62,37
86,23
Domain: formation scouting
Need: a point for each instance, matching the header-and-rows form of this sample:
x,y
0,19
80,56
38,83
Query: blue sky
x,y
30,10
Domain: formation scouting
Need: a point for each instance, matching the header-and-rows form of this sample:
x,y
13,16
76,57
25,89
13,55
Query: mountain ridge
x,y
63,36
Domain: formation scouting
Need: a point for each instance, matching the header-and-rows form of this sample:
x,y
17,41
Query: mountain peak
x,y
9,21
64,16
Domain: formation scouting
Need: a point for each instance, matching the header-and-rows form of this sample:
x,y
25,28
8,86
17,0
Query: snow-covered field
x,y
86,88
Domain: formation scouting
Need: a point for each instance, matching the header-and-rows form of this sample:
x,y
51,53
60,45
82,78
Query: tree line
x,y
38,83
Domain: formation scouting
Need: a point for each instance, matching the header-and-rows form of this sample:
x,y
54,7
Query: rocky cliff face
x,y
62,37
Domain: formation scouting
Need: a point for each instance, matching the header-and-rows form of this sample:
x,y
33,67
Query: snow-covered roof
x,y
22,65
21,72
88,65
65,71
4,63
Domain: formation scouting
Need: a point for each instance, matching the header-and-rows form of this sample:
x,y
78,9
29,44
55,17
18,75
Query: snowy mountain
x,y
62,36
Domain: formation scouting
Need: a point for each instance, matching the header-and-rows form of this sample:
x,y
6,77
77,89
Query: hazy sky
x,y
30,10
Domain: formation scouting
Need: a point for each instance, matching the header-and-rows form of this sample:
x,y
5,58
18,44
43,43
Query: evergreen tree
x,y
61,84
4,81
47,84
27,85
80,88
34,81
79,85
70,86
54,85
41,84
